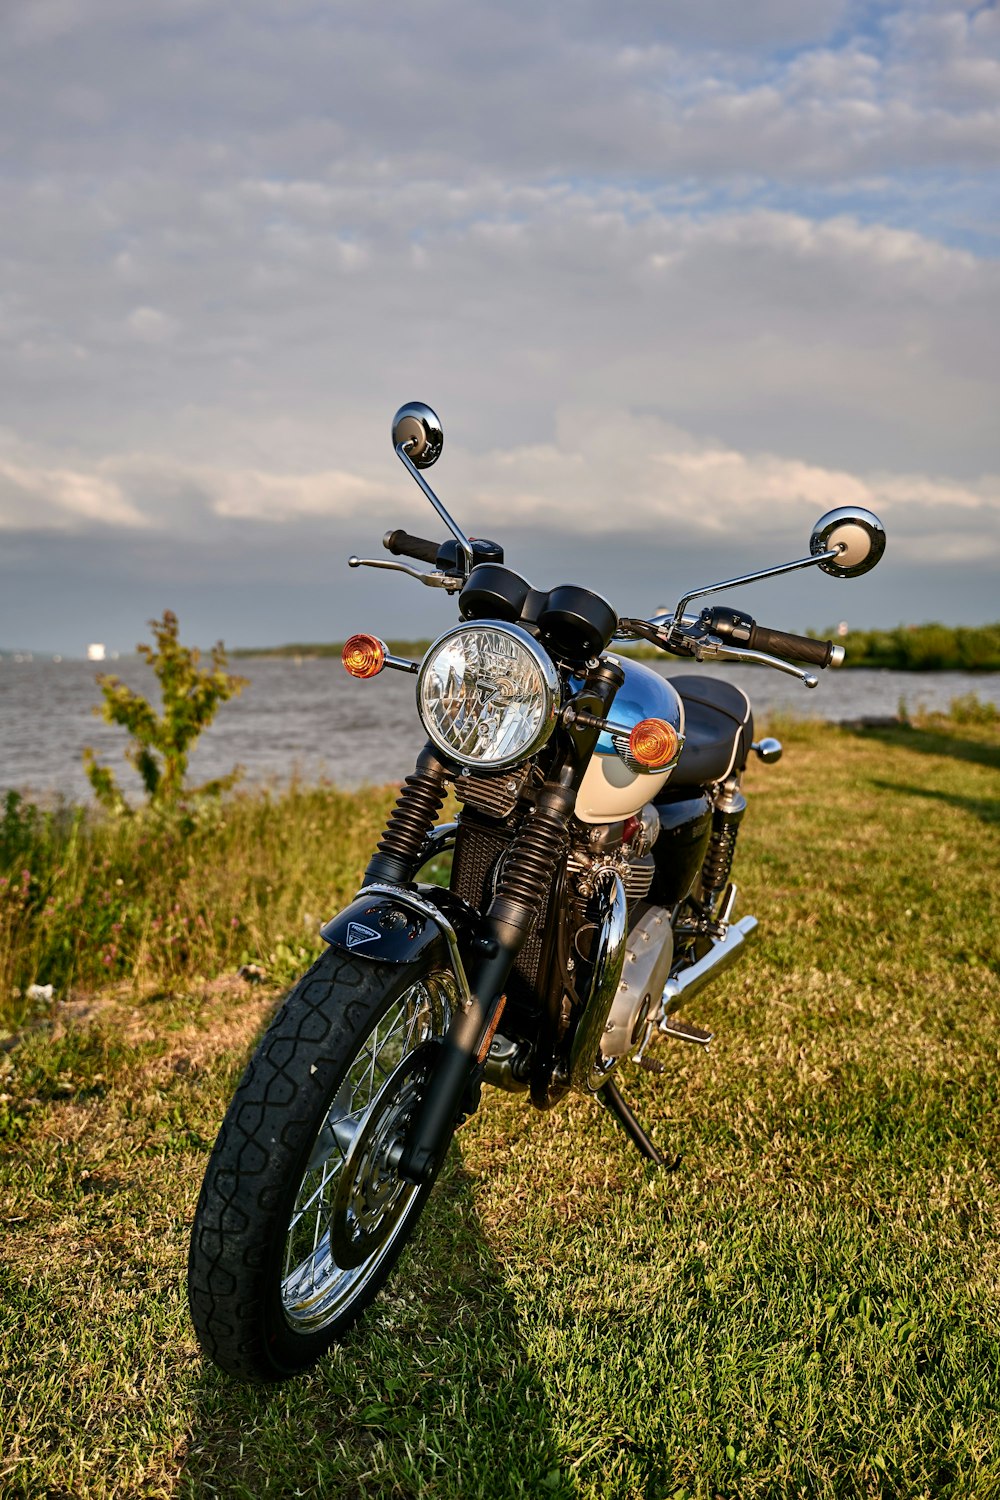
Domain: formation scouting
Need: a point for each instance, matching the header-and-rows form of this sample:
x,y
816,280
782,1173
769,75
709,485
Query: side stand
x,y
613,1102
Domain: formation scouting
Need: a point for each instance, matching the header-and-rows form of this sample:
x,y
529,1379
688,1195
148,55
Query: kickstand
x,y
613,1102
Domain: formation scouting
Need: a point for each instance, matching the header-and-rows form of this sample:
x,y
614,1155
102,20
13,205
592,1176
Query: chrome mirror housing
x,y
418,430
858,536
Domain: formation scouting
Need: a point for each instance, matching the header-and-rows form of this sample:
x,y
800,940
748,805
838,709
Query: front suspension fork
x,y
529,869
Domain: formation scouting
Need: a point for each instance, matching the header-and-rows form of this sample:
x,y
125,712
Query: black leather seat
x,y
718,726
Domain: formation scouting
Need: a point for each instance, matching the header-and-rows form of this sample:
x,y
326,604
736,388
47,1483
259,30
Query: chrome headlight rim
x,y
551,696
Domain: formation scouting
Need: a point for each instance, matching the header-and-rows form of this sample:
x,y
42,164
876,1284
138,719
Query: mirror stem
x,y
732,583
456,531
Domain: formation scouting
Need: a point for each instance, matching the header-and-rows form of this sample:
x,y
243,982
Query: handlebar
x,y
401,544
797,647
740,630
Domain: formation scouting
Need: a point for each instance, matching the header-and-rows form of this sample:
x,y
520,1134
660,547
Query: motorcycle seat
x,y
718,727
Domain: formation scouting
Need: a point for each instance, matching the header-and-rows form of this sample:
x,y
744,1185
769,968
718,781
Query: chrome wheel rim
x,y
349,1174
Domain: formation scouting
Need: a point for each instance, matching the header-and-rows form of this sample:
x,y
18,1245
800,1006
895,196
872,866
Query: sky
x,y
677,279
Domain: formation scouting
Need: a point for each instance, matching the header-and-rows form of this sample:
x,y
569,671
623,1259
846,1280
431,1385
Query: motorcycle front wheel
x,y
302,1213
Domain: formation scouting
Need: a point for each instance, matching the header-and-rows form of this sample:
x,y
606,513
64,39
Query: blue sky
x,y
677,278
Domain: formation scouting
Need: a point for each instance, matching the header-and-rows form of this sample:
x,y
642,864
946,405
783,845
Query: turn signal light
x,y
364,655
653,744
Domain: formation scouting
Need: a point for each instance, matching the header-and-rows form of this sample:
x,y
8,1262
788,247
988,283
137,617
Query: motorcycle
x,y
590,898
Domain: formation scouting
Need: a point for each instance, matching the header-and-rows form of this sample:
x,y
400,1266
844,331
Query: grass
x,y
158,900
809,1306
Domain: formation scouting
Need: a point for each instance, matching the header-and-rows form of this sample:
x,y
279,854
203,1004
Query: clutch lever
x,y
435,580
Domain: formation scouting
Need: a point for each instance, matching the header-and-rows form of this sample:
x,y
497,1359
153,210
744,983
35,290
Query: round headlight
x,y
487,694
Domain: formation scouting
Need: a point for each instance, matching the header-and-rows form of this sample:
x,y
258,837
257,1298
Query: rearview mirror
x,y
858,534
419,430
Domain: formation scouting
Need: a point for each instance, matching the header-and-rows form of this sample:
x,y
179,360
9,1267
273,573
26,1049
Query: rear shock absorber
x,y
420,800
730,806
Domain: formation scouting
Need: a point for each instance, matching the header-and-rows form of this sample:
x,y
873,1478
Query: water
x,y
310,718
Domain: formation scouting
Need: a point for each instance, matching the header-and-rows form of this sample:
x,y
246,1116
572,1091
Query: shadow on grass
x,y
933,742
987,809
432,1393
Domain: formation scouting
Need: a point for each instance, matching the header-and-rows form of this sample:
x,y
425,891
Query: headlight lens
x,y
487,694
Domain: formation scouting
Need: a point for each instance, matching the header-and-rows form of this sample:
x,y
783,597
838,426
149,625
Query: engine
x,y
618,858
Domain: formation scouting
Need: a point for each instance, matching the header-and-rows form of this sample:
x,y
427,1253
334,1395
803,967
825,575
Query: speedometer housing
x,y
488,695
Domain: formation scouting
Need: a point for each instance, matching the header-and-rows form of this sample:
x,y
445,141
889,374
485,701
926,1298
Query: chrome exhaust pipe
x,y
725,952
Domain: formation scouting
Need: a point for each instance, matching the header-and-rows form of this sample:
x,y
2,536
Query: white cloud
x,y
149,325
604,474
45,499
692,262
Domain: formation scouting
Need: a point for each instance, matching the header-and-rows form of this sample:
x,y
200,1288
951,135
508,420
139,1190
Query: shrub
x,y
162,742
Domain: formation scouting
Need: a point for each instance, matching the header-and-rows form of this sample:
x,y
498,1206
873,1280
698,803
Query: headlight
x,y
487,694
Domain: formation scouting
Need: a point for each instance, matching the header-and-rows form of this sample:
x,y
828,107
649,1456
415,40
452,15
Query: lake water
x,y
311,718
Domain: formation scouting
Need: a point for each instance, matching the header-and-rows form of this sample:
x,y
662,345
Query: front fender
x,y
386,928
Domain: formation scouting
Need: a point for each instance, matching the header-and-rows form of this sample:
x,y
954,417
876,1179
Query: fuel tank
x,y
611,790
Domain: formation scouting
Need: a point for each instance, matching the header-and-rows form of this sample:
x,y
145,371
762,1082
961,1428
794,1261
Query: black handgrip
x,y
798,647
402,544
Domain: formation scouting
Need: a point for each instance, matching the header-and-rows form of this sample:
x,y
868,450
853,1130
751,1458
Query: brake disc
x,y
371,1196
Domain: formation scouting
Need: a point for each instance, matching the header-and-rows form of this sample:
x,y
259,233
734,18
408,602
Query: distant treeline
x,y
926,648
907,648
305,651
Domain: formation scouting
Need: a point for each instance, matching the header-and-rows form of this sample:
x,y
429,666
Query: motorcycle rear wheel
x,y
302,1214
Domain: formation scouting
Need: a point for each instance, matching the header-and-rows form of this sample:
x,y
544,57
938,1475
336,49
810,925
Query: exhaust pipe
x,y
724,952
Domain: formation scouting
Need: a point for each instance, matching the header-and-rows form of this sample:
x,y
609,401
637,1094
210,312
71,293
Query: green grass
x,y
159,899
809,1305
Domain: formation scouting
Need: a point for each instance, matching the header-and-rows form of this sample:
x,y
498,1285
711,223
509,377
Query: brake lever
x,y
688,637
710,648
435,580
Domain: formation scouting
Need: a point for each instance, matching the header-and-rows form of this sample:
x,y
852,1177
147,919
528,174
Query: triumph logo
x,y
357,934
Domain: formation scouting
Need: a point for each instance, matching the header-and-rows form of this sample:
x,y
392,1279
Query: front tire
x,y
302,1214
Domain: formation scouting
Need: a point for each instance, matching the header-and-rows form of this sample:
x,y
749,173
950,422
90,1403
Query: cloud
x,y
701,263
790,89
622,475
43,499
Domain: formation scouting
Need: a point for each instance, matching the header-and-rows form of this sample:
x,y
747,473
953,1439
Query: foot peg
x,y
616,1106
684,1031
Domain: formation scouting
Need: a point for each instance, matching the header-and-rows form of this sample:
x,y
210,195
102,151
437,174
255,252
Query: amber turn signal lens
x,y
364,656
653,743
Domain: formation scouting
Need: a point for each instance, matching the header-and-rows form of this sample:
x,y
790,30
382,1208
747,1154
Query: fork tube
x,y
532,864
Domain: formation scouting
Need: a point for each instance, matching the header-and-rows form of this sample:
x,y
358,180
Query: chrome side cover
x,y
649,955
587,1066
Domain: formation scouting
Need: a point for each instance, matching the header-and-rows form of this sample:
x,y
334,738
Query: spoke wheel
x,y
303,1213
